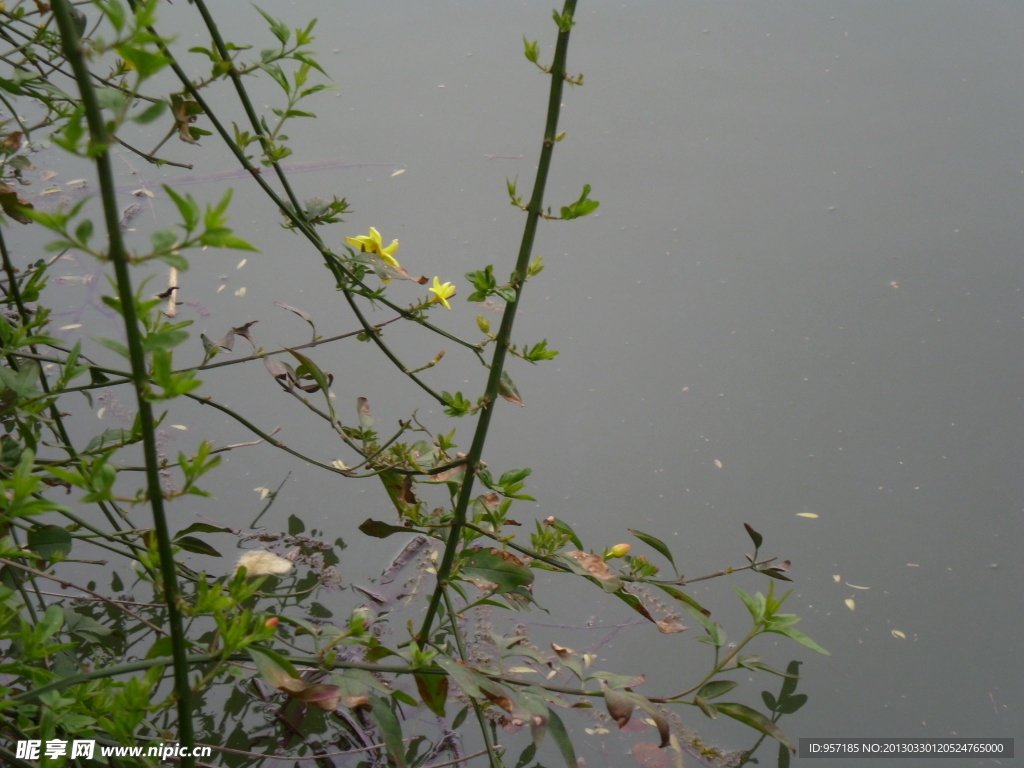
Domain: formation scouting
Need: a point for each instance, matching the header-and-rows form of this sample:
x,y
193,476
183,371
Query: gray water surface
x,y
807,266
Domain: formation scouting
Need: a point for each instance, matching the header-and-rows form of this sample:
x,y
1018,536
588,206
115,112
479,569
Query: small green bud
x,y
559,137
483,324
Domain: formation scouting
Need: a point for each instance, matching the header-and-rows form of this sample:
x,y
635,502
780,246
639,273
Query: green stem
x,y
508,318
491,755
99,145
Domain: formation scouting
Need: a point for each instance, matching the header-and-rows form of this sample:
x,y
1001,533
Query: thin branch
x,y
71,585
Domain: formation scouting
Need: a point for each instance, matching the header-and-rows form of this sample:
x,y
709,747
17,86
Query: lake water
x,y
808,266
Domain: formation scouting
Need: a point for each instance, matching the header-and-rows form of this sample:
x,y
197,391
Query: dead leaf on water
x,y
241,263
47,175
855,586
837,578
897,633
850,604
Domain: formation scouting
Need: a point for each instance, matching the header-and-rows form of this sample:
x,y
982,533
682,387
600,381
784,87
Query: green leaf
x,y
657,544
756,604
498,567
709,710
200,547
755,720
150,113
380,530
801,638
142,61
51,623
275,669
756,537
202,528
51,542
319,377
754,662
691,604
187,207
716,688
561,737
389,728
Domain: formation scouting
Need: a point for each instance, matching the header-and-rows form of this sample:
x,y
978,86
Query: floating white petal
x,y
260,562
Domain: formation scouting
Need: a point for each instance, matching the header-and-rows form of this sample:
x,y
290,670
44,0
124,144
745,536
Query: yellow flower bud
x,y
619,550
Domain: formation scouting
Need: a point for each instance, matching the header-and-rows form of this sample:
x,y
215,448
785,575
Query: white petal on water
x,y
399,172
855,586
241,291
897,633
100,412
811,515
850,604
221,288
718,463
182,427
70,327
241,263
260,562
263,492
837,578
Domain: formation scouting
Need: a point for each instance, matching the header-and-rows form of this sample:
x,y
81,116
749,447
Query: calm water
x,y
807,266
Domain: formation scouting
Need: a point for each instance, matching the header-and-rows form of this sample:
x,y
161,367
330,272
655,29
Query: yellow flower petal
x,y
442,292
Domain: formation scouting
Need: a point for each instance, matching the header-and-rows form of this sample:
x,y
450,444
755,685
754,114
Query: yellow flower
x,y
442,292
372,243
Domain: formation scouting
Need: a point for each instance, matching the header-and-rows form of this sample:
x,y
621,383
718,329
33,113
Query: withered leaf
x,y
300,312
595,566
670,626
12,204
507,389
281,371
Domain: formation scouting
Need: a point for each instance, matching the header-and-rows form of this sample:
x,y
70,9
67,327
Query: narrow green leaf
x,y
193,544
755,720
801,638
390,729
756,537
561,737
716,688
657,544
